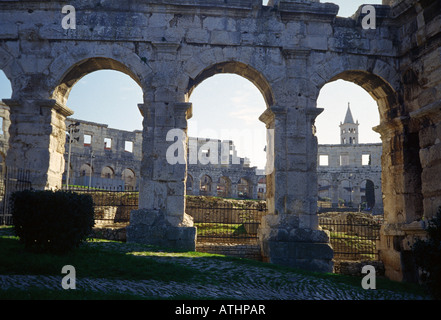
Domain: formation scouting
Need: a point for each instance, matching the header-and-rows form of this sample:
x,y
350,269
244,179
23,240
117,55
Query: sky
x,y
221,105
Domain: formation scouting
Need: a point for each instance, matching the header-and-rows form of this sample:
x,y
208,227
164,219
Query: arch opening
x,y
5,92
228,99
224,187
367,190
205,186
129,178
240,69
104,96
84,68
354,102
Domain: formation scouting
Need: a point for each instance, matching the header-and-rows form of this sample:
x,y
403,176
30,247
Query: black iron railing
x,y
353,238
225,221
11,180
111,204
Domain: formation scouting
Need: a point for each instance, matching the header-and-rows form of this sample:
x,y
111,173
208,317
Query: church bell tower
x,y
349,129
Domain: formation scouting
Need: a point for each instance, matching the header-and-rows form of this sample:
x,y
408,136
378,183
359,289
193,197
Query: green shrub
x,y
52,221
427,255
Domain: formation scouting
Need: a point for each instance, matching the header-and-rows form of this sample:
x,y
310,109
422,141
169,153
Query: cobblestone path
x,y
228,280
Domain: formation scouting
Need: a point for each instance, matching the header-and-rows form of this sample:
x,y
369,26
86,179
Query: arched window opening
x,y
104,97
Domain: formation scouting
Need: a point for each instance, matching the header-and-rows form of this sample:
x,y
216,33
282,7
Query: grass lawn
x,y
134,262
219,229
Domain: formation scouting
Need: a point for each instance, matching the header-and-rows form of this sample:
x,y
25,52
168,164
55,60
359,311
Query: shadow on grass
x,y
88,262
118,262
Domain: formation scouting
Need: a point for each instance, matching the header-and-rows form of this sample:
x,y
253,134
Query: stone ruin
x,y
289,49
94,163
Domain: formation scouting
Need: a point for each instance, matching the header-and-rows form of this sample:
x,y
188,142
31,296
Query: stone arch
x,y
379,78
244,188
64,79
345,188
367,190
108,172
85,170
400,144
224,187
12,70
205,187
7,79
233,67
129,177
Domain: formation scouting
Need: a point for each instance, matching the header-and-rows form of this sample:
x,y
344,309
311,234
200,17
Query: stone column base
x,y
284,242
395,248
154,228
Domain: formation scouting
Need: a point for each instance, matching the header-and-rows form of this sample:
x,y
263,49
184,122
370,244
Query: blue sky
x,y
221,105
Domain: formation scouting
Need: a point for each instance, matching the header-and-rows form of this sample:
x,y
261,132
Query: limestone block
x,y
159,20
193,67
152,194
296,145
184,220
225,37
195,35
144,217
175,205
214,23
309,221
297,162
318,28
247,39
315,42
430,155
309,235
429,184
153,228
381,46
310,256
310,251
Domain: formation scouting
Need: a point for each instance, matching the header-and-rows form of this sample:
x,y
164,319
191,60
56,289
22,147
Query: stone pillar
x,y
254,190
213,187
234,193
196,186
290,234
356,196
161,218
402,201
378,208
37,137
334,193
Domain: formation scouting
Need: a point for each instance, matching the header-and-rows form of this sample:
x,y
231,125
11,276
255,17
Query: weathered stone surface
x,y
154,228
283,241
283,48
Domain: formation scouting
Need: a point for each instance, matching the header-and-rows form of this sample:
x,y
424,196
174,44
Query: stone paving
x,y
228,280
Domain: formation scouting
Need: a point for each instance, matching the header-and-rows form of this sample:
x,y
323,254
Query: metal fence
x,y
112,205
11,180
231,223
353,238
226,221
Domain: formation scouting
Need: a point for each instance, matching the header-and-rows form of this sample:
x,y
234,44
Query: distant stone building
x,y
349,173
106,157
4,134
